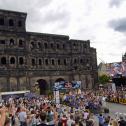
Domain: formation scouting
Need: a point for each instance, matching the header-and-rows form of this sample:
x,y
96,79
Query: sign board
x,y
56,97
67,85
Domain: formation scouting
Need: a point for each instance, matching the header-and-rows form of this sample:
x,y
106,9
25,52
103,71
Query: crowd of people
x,y
84,109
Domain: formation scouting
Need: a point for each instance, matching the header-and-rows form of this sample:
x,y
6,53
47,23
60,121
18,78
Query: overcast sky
x,y
103,22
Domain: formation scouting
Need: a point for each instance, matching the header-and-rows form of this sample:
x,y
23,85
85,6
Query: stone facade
x,y
27,57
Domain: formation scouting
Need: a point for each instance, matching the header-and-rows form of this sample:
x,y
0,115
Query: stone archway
x,y
59,80
43,86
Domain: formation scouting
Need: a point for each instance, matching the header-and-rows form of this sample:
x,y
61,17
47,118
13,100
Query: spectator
x,y
70,121
3,111
23,117
122,122
101,120
43,119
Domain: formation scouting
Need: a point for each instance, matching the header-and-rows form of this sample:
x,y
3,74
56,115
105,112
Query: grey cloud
x,y
53,16
116,3
118,25
122,43
23,5
113,54
48,18
39,11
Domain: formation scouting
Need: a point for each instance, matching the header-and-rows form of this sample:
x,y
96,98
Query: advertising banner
x,y
116,69
57,97
67,85
117,100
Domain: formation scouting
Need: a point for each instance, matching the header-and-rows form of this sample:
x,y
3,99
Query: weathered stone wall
x,y
27,57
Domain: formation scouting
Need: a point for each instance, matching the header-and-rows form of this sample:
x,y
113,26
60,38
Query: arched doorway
x,y
43,86
59,80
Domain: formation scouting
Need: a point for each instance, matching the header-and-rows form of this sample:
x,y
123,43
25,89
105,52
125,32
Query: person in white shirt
x,y
86,115
70,121
22,117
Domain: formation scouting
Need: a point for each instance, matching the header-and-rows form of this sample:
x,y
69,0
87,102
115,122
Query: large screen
x,y
116,70
67,85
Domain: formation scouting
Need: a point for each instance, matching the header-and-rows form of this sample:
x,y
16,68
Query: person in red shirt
x,y
64,120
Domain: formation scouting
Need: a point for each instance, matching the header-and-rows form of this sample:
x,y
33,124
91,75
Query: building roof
x,y
10,11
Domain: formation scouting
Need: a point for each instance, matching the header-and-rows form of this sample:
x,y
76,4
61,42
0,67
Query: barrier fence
x,y
117,100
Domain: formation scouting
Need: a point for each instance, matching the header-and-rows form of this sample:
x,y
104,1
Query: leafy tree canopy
x,y
103,79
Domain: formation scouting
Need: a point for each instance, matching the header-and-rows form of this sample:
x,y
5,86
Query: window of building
x,y
2,41
12,60
87,60
46,62
40,61
53,63
39,45
20,43
59,62
64,46
1,21
11,41
3,60
74,45
75,61
65,63
32,45
19,23
52,45
57,46
21,60
81,60
45,45
11,22
33,62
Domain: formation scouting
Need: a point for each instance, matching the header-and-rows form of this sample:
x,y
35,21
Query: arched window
x,y
40,61
21,60
64,46
1,21
45,45
12,60
52,45
11,41
53,63
59,62
75,61
19,23
20,43
33,62
74,45
46,62
39,45
11,22
3,60
81,60
65,63
57,46
32,45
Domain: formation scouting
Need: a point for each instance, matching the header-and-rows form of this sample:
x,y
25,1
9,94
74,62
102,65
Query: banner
x,y
57,97
118,100
116,69
67,85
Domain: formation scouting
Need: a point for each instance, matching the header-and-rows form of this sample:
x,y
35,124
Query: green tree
x,y
103,79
